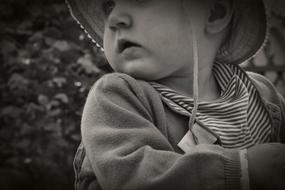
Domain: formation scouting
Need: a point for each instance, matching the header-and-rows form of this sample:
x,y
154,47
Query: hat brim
x,y
89,18
248,32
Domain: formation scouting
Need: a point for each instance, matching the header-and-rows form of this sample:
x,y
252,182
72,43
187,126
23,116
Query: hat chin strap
x,y
195,79
195,87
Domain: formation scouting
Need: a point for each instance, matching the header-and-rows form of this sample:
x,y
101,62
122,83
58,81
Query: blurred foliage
x,y
47,67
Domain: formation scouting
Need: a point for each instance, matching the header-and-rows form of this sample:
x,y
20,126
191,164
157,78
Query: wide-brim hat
x,y
248,32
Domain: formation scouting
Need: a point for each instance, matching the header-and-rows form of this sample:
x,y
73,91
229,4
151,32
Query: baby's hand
x,y
266,164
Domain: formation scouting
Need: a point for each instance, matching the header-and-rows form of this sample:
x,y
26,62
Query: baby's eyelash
x,y
140,1
108,6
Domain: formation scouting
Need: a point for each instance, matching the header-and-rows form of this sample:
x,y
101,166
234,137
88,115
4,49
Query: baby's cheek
x,y
110,58
109,54
109,45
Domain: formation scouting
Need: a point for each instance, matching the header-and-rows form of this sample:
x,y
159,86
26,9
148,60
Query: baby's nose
x,y
119,21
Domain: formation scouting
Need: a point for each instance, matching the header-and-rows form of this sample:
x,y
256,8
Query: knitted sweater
x,y
130,142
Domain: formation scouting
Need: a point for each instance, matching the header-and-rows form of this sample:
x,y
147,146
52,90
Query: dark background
x,y
47,66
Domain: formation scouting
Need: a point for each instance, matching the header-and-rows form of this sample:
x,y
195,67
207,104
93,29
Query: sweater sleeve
x,y
270,94
127,151
282,130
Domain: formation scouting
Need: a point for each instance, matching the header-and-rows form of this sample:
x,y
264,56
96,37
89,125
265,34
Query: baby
x,y
178,112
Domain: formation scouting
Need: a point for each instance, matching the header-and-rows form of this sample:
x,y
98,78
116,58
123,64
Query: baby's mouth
x,y
125,44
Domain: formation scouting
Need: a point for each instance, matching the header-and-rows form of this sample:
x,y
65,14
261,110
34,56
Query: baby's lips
x,y
124,44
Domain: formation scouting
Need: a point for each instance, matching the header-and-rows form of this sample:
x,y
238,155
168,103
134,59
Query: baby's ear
x,y
220,16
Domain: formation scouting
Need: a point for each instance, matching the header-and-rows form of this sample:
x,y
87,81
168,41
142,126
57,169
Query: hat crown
x,y
248,33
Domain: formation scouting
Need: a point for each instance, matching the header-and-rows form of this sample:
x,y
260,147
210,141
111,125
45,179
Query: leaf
x,y
7,47
62,45
62,97
52,104
49,41
43,100
26,130
18,82
76,137
55,112
11,111
31,108
49,55
59,81
37,37
24,143
87,64
51,127
28,160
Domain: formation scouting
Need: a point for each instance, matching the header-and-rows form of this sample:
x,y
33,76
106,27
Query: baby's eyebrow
x,y
102,1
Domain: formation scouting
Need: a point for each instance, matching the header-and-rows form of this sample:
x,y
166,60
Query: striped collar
x,y
238,117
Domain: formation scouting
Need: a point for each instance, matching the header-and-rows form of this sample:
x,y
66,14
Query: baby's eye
x,y
140,1
108,6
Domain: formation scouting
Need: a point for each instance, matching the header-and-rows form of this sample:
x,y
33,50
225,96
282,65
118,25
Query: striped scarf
x,y
238,117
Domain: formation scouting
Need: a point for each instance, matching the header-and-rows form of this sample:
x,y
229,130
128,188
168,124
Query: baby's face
x,y
148,39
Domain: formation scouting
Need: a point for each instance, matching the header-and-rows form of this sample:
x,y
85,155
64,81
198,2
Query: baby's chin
x,y
139,69
141,75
